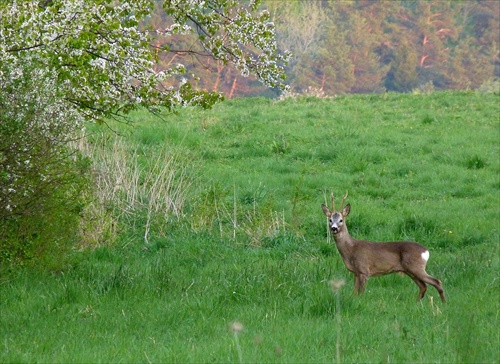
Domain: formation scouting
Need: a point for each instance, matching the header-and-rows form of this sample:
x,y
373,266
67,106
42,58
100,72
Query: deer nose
x,y
335,229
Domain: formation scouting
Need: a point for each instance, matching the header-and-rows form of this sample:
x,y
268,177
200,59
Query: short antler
x,y
342,204
343,199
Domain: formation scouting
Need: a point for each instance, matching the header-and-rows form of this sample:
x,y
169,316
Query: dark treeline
x,y
365,46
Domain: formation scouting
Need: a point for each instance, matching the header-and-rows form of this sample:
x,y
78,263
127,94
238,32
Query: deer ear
x,y
326,211
346,210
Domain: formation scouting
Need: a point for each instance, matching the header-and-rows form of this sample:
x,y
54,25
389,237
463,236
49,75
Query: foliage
x,y
402,76
491,85
104,64
371,46
41,178
35,130
345,47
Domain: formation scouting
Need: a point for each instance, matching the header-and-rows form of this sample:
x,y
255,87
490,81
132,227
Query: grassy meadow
x,y
208,243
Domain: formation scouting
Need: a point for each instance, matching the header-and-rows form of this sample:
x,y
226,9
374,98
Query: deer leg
x,y
356,284
437,284
425,278
421,285
360,283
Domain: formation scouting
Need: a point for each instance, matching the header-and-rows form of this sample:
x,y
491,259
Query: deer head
x,y
336,219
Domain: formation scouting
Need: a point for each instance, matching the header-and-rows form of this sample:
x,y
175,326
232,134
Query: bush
x,y
490,86
41,177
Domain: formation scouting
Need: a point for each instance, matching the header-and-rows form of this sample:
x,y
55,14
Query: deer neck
x,y
342,239
346,247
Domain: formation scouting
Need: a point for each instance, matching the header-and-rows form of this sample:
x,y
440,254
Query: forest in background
x,y
342,47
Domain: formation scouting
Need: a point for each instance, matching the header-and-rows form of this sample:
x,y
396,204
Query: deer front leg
x,y
359,283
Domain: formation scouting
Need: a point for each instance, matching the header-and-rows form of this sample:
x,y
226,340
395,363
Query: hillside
x,y
212,246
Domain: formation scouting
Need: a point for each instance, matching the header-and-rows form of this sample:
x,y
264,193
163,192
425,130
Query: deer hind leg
x,y
425,278
421,285
437,284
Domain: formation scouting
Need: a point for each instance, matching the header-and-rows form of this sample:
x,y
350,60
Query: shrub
x,y
41,177
490,86
426,88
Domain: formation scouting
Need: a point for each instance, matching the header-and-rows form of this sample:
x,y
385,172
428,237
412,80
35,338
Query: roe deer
x,y
366,258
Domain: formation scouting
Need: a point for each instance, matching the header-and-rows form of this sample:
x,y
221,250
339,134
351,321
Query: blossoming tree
x,y
65,62
103,62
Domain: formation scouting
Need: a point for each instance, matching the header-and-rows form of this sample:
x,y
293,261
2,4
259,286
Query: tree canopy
x,y
375,46
102,53
363,46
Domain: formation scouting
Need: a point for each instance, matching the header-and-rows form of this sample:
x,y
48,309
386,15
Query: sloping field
x,y
219,251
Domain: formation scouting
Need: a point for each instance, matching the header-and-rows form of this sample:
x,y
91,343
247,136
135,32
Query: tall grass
x,y
145,190
247,243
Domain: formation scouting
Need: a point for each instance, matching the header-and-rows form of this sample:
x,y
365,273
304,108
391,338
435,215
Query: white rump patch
x,y
425,255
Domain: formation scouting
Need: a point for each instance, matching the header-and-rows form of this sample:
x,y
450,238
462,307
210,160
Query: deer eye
x,y
341,220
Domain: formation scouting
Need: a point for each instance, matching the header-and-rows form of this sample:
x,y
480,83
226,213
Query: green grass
x,y
251,244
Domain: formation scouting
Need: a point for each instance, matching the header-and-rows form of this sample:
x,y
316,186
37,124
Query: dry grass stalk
x,y
134,187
